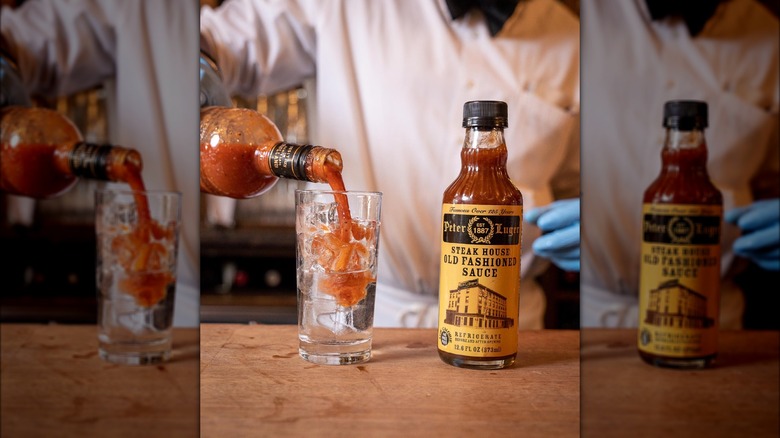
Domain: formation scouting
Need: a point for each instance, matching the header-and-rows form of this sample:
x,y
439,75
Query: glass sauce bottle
x,y
242,155
42,155
682,211
482,215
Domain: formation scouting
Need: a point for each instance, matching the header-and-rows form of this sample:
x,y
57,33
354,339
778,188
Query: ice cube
x,y
359,258
158,257
363,316
129,315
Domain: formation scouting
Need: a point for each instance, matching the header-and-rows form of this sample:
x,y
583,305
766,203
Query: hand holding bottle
x,y
560,222
12,91
212,90
760,240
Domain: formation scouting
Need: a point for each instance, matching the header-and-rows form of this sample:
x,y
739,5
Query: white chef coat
x,y
392,77
632,66
146,55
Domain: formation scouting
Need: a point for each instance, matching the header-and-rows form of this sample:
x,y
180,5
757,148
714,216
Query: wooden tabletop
x,y
52,383
253,383
623,396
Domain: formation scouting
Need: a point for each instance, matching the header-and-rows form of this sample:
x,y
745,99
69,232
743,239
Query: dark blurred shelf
x,y
48,273
562,290
248,275
67,310
247,242
261,308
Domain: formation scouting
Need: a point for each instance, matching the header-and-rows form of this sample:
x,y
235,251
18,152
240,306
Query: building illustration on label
x,y
477,306
675,305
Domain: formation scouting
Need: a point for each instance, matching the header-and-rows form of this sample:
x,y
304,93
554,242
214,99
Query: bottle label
x,y
480,279
88,160
289,160
679,286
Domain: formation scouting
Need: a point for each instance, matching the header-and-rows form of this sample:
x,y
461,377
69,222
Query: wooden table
x,y
623,396
52,383
253,383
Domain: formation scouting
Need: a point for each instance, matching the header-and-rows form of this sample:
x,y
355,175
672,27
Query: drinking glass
x,y
136,273
336,258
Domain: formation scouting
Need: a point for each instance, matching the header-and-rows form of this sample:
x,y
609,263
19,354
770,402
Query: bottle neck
x,y
100,162
684,150
303,162
482,137
484,147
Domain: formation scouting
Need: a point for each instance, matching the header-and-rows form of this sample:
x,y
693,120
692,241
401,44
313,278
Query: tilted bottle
x,y
482,216
679,290
242,155
42,154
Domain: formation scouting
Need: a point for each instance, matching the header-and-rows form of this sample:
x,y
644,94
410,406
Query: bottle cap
x,y
685,114
487,113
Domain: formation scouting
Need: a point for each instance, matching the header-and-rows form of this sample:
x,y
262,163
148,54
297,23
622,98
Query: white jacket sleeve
x,y
261,46
61,47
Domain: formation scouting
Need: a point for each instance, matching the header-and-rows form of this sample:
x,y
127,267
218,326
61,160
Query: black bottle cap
x,y
685,114
487,113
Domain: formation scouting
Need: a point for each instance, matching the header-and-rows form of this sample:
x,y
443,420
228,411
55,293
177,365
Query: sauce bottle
x,y
679,290
42,154
482,216
242,155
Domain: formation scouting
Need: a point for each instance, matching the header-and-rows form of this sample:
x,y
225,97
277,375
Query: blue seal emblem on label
x,y
445,336
645,337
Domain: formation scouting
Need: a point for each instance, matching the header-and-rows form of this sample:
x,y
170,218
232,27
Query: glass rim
x,y
146,192
337,192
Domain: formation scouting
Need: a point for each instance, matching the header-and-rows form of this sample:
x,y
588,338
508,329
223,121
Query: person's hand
x,y
212,89
560,223
760,240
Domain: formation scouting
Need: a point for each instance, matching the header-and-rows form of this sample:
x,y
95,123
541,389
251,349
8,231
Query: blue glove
x,y
560,223
760,240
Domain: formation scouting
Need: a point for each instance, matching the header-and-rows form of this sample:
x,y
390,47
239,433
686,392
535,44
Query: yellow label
x,y
480,279
679,282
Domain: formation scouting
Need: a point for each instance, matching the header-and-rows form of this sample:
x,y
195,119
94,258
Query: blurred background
x,y
247,253
247,261
248,265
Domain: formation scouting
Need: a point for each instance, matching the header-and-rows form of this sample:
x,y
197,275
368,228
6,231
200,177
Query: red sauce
x,y
144,251
132,176
29,145
683,179
229,170
31,170
346,280
483,179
